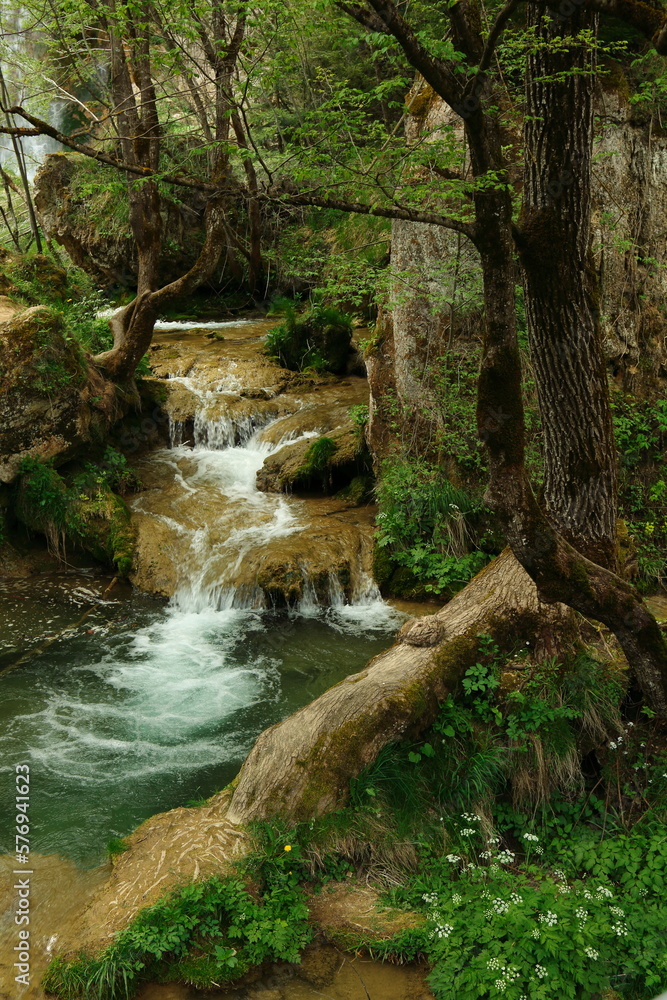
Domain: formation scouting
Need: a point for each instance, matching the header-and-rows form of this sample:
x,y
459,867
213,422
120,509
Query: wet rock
x,y
95,520
293,466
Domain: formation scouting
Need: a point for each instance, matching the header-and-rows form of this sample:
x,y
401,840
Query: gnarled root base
x,y
302,767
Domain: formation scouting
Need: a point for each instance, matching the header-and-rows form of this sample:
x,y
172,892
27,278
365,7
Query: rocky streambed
x,y
218,521
142,706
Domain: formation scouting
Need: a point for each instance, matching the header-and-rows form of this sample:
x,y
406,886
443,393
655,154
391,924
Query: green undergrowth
x,y
83,508
205,933
431,536
527,827
317,340
42,279
641,435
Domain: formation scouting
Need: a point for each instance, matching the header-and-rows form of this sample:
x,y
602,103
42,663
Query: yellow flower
x,y
288,847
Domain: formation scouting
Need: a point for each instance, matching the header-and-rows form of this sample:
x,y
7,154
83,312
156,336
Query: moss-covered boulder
x,y
51,402
328,463
80,208
89,517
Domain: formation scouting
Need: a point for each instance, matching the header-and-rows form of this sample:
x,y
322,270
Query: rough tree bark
x,y
580,480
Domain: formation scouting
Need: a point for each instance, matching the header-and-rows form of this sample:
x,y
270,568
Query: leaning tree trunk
x,y
562,305
302,767
133,326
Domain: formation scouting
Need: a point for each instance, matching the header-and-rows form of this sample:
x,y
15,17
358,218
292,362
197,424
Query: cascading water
x,y
144,707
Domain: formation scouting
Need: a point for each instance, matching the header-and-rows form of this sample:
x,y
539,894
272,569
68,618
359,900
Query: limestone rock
x,y
79,211
50,403
289,468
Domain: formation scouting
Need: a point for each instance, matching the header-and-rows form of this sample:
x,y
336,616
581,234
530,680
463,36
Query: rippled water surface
x,y
144,707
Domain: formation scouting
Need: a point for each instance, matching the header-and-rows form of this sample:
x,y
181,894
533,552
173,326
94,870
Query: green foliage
x,y
116,845
359,415
640,427
82,324
428,526
489,738
641,435
500,926
319,340
206,932
82,509
44,501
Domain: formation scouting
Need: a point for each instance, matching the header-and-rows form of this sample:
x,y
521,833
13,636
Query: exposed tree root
x,y
302,767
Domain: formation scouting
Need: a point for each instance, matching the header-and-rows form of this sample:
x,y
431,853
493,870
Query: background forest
x,y
464,202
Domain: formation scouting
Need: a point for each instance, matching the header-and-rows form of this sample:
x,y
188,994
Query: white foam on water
x,y
162,696
194,324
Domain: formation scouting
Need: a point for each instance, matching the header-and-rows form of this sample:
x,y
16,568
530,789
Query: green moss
x,y
83,512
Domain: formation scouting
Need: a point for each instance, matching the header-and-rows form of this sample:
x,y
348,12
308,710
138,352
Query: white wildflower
x,y
500,906
531,837
592,953
494,964
452,858
541,971
467,832
456,898
549,918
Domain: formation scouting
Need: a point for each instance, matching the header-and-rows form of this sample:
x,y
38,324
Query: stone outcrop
x,y
79,207
51,401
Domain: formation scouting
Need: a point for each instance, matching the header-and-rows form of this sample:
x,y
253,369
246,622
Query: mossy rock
x,y
319,339
328,463
359,491
106,531
98,524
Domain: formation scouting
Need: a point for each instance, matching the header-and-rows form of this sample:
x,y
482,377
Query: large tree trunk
x,y
580,482
302,767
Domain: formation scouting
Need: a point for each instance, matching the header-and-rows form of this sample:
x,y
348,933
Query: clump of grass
x,y
116,845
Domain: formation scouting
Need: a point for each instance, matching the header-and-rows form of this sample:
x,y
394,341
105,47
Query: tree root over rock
x,y
302,767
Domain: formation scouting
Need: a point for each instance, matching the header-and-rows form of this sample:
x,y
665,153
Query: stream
x,y
145,705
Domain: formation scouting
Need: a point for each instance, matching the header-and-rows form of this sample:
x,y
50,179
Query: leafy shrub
x,y
427,525
206,933
319,339
504,927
